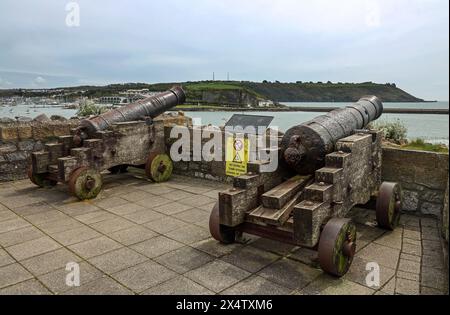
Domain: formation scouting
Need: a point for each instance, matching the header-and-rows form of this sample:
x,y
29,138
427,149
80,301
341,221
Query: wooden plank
x,y
66,166
40,161
308,219
279,196
274,216
55,151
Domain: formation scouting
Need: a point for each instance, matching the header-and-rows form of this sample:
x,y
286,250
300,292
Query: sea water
x,y
433,128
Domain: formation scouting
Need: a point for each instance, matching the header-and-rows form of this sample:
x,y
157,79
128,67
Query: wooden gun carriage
x,y
328,165
122,137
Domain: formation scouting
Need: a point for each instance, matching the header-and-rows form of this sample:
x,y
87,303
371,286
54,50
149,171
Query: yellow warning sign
x,y
236,156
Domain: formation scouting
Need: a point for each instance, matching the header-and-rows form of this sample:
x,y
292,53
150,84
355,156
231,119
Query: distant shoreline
x,y
435,111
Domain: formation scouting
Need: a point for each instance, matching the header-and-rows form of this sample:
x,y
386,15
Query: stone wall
x,y
445,215
19,139
423,176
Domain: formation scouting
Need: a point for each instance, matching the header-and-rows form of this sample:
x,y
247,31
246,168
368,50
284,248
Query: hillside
x,y
244,92
329,92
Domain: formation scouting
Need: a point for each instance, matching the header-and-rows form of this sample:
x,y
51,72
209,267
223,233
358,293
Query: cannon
x,y
327,166
127,136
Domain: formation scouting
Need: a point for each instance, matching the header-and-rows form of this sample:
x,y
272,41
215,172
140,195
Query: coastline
x,y
434,111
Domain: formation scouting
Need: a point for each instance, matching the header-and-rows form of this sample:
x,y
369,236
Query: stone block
x,y
410,200
9,133
42,131
6,148
26,145
24,132
434,209
16,156
430,195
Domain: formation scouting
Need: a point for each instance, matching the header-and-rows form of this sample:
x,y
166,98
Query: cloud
x,y
4,83
39,80
402,41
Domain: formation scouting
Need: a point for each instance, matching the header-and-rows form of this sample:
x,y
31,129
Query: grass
x,y
421,145
213,86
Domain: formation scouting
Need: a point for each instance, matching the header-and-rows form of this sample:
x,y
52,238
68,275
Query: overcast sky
x,y
401,41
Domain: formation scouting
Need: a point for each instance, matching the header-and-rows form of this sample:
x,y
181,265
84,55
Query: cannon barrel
x,y
304,147
149,107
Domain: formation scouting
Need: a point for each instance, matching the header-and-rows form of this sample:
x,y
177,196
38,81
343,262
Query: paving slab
x,y
156,246
32,248
178,286
102,286
12,274
5,258
256,285
407,287
95,247
434,278
29,287
13,224
214,248
51,261
143,276
217,275
290,274
274,246
250,258
95,217
7,215
20,236
189,234
360,269
59,226
391,239
56,280
165,224
383,255
184,259
133,235
117,260
45,217
144,216
77,235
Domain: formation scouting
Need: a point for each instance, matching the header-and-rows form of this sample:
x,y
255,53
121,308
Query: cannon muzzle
x,y
304,146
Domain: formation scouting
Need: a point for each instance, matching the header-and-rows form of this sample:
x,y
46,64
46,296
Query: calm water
x,y
434,128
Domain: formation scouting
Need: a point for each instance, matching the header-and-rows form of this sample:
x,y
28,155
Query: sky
x,y
53,43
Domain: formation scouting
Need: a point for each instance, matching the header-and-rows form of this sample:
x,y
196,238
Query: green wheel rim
x,y
159,167
337,246
85,183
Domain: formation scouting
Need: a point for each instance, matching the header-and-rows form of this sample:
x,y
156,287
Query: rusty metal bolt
x,y
349,249
90,183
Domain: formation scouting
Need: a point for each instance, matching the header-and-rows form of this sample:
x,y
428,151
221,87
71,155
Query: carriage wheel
x,y
159,167
337,246
389,205
118,169
221,233
85,183
40,180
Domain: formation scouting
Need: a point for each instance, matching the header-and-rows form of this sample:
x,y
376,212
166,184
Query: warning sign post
x,y
236,156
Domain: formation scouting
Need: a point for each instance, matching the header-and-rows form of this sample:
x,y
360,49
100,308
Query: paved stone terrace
x,y
144,238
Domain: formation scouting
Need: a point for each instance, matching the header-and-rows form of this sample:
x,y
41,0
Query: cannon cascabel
x,y
304,147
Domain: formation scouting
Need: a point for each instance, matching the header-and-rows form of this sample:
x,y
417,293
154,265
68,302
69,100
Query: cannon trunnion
x,y
128,136
329,165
